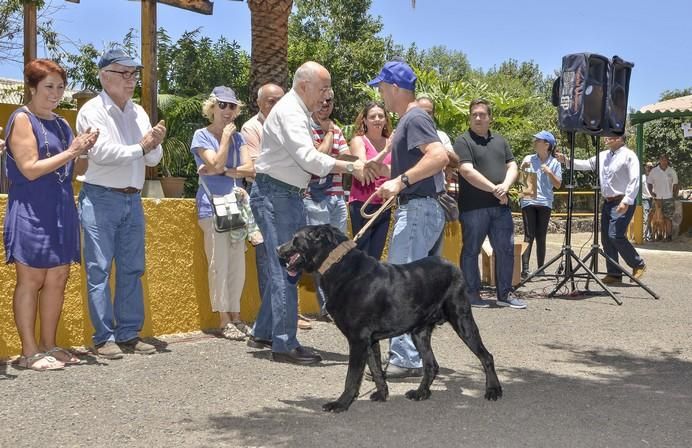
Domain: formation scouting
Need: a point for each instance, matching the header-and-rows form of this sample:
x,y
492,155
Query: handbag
x,y
227,215
450,207
529,184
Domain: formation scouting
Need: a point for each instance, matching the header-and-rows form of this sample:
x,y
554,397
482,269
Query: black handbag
x,y
450,207
227,215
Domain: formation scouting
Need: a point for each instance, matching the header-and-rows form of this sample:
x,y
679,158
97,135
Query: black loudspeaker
x,y
618,93
591,94
582,93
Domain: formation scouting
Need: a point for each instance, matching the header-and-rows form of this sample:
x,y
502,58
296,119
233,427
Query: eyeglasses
x,y
222,105
125,75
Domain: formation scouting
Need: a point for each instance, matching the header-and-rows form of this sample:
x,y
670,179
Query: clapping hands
x,y
154,137
83,142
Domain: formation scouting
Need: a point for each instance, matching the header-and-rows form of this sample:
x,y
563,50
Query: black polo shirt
x,y
489,156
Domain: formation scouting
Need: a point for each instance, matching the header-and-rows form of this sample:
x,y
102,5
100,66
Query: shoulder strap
x,y
206,189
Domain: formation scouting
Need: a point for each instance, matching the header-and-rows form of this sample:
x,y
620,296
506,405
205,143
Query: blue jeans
x,y
113,229
331,210
279,213
417,226
496,224
614,238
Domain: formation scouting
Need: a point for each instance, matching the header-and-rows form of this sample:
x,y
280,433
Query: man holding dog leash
x,y
418,159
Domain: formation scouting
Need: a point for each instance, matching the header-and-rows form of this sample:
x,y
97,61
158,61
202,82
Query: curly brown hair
x,y
360,128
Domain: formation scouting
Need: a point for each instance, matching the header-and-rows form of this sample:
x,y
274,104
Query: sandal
x,y
242,327
70,362
39,362
231,332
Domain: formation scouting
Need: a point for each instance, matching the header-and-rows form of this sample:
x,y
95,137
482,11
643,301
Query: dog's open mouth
x,y
292,263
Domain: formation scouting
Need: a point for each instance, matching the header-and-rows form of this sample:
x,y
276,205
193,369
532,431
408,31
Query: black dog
x,y
370,301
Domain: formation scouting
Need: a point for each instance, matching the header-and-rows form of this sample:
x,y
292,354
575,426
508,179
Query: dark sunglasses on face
x,y
222,105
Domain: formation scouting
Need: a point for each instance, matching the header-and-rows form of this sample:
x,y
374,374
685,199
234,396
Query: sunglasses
x,y
222,105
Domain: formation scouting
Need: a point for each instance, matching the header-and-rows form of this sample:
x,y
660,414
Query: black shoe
x,y
299,355
259,343
325,318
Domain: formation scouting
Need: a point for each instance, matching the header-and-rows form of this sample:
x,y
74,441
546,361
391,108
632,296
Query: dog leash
x,y
372,217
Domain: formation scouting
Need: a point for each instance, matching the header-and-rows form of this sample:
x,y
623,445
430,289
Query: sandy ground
x,y
576,372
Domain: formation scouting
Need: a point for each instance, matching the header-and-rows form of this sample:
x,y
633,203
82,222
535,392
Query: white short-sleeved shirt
x,y
662,181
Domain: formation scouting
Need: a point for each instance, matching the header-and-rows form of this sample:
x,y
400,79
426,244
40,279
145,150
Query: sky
x,y
650,34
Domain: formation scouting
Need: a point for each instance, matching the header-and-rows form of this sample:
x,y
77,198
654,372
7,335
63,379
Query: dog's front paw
x,y
378,396
493,393
334,406
418,395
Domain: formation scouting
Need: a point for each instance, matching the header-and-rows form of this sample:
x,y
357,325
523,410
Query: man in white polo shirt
x,y
110,205
663,185
286,162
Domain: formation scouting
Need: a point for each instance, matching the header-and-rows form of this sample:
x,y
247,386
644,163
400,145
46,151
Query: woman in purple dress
x,y
41,230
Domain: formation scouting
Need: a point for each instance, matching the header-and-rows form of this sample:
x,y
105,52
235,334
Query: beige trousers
x,y
226,268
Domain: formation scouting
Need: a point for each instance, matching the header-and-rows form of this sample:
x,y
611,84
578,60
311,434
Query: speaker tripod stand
x,y
567,256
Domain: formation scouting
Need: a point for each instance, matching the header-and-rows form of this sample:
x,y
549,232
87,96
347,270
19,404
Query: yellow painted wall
x,y
7,109
175,283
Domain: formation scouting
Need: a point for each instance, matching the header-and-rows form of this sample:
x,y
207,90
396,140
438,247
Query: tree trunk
x,y
269,61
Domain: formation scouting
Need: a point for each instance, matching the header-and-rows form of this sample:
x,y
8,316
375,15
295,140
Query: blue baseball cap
x,y
396,72
224,94
118,56
547,136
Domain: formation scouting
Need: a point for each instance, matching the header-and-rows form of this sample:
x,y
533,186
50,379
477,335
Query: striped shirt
x,y
339,147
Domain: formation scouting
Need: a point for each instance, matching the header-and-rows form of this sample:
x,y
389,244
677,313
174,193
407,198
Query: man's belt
x,y
267,178
615,198
126,190
404,199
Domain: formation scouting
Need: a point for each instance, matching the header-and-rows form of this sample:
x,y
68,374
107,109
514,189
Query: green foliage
x,y
344,37
449,64
519,109
82,68
183,116
194,65
666,136
12,27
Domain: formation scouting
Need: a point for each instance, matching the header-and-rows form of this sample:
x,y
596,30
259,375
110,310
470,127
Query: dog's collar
x,y
336,255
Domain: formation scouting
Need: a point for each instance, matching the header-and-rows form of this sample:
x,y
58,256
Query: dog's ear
x,y
330,234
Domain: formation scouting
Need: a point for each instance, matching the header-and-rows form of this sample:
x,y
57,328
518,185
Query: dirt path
x,y
576,373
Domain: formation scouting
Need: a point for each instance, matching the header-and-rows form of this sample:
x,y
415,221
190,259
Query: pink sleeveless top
x,y
360,192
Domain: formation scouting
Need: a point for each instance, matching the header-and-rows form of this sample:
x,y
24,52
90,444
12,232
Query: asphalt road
x,y
576,372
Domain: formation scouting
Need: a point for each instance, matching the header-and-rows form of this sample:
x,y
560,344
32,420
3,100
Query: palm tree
x,y
269,20
269,63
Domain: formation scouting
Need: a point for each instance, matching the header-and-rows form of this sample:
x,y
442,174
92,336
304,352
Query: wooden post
x,y
149,73
30,46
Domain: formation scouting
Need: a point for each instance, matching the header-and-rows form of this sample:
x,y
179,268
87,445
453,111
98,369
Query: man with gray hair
x,y
267,97
284,167
110,205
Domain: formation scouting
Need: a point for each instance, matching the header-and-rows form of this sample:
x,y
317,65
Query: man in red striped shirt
x,y
324,198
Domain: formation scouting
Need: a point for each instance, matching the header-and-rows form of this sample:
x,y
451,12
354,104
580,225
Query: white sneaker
x,y
512,301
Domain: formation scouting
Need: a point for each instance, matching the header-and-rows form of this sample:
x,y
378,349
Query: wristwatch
x,y
349,168
404,179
